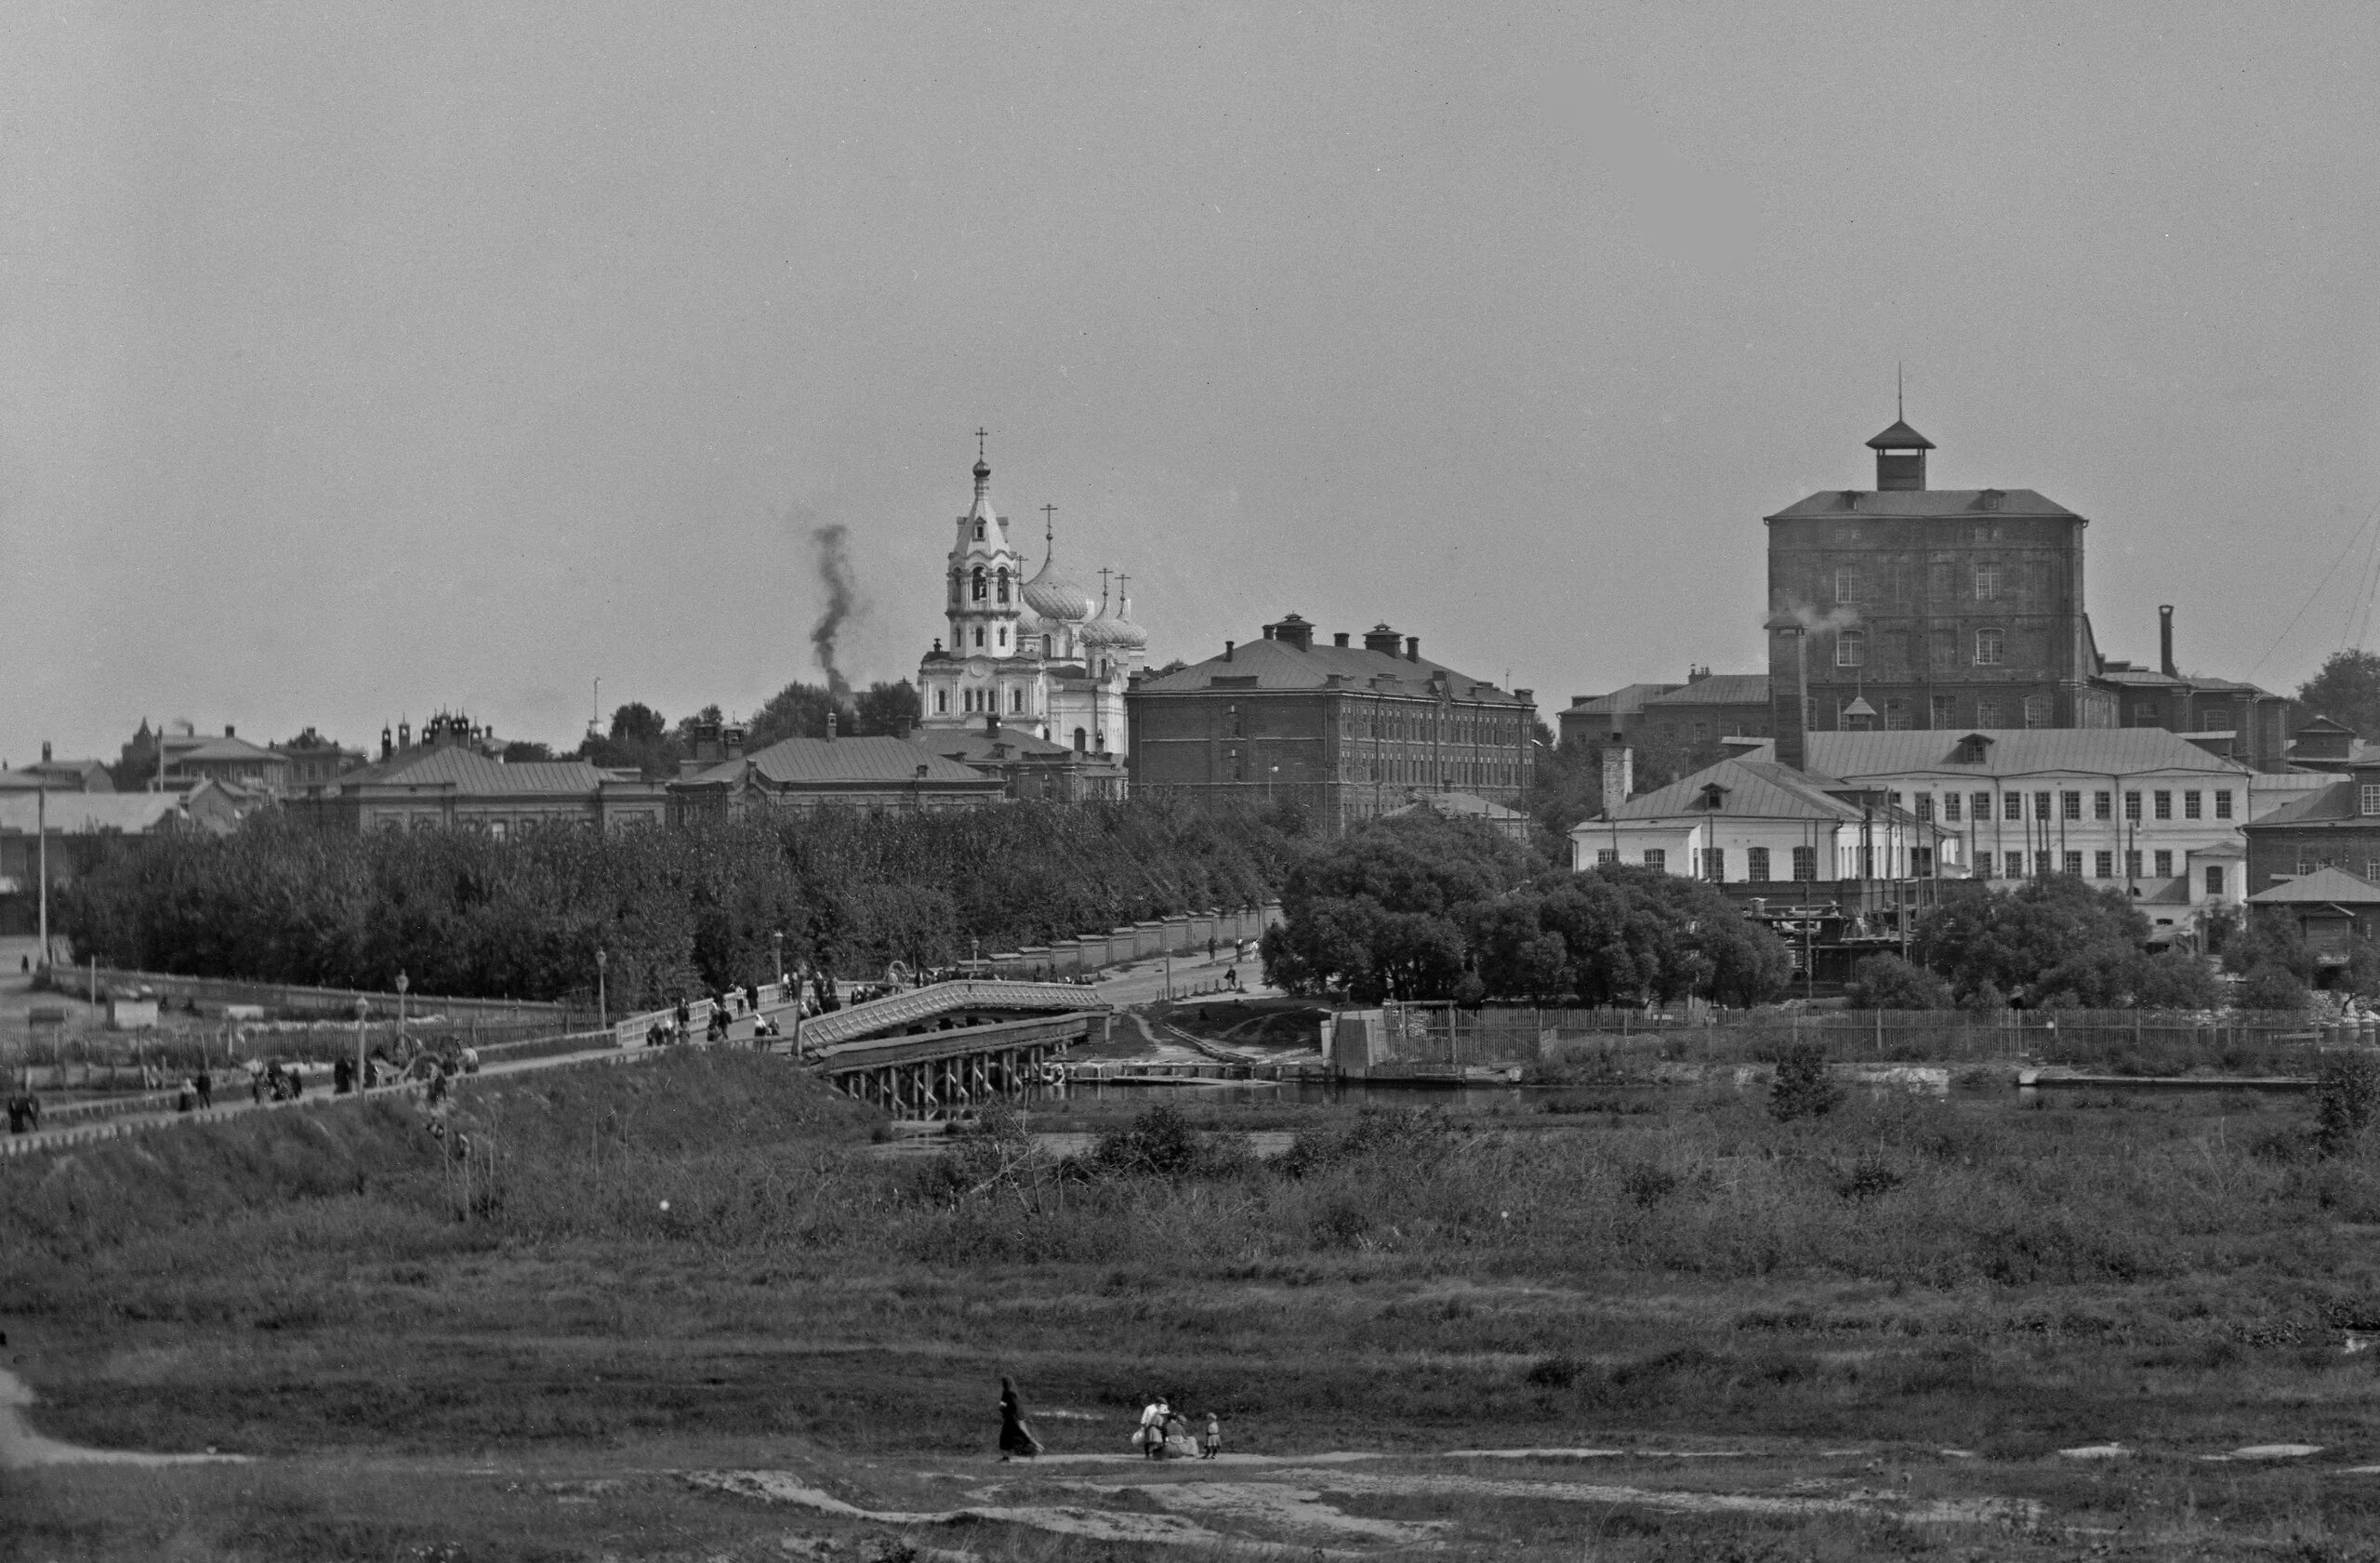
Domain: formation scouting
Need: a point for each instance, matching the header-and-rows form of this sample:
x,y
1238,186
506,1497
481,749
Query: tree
x,y
798,711
888,710
2272,938
638,740
1886,982
2347,690
2051,942
523,751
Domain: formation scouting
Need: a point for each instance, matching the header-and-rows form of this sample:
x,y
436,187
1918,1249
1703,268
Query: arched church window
x,y
1016,699
979,583
1080,737
1003,584
979,635
942,702
1004,637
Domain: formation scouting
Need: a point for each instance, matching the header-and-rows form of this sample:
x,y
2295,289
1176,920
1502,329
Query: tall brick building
x,y
1348,732
1908,607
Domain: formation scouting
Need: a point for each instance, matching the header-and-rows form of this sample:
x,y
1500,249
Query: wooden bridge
x,y
951,1047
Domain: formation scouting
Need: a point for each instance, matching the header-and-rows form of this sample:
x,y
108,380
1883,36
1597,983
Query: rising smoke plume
x,y
842,601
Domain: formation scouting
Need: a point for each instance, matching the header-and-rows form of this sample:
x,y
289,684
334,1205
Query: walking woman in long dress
x,y
1016,1434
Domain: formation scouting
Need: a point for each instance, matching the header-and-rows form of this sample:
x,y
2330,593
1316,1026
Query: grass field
x,y
528,1333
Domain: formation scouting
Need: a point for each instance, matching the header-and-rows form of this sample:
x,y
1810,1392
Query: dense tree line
x,y
465,914
1431,908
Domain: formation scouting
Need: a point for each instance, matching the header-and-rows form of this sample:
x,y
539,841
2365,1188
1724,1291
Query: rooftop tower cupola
x,y
1900,456
985,576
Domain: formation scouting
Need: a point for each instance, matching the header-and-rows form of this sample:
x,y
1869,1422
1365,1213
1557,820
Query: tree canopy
x,y
1421,907
2055,943
2347,690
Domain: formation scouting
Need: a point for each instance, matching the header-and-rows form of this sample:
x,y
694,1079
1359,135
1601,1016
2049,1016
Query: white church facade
x,y
1036,658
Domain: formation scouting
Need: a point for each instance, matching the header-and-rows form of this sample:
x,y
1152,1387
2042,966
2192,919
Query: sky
x,y
362,360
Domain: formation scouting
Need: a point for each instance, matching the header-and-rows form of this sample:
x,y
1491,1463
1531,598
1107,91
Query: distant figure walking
x,y
206,1090
1152,1434
1016,1434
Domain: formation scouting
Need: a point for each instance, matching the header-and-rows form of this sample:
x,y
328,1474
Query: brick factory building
x,y
1348,732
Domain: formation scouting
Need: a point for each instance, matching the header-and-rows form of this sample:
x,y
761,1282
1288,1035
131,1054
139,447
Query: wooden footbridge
x,y
951,1047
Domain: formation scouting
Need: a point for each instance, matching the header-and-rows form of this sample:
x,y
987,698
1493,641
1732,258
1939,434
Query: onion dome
x,y
1053,594
1128,635
1103,628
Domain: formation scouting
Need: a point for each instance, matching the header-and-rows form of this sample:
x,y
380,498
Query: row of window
x,y
2011,865
1851,648
2069,805
2034,710
982,584
1711,863
974,701
1991,582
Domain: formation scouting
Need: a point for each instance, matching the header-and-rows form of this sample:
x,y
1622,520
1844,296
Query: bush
x,y
2346,1102
1886,982
1801,1088
2271,986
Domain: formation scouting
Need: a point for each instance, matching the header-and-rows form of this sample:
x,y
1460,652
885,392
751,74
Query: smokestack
x,y
1412,648
1227,645
2165,639
1789,692
44,751
230,731
1618,775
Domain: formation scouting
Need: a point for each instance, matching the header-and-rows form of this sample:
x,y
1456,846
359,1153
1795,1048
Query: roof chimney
x,y
1618,775
991,724
830,724
732,739
230,731
1340,638
2165,639
44,751
1412,648
1227,645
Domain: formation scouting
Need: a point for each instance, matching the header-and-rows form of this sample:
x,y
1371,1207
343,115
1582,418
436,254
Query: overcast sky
x,y
357,361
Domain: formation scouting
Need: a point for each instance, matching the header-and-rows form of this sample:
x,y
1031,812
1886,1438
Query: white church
x,y
1038,656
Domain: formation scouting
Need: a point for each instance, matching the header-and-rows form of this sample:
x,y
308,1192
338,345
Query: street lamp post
x,y
602,991
363,1008
41,872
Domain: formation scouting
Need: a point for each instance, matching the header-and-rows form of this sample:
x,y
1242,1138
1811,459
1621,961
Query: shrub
x,y
1801,1088
2346,1102
2271,986
1886,982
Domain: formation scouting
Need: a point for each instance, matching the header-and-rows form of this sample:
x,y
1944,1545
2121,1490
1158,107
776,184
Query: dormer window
x,y
1714,797
1973,750
979,530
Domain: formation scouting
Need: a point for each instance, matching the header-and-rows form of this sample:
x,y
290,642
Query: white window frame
x,y
1991,645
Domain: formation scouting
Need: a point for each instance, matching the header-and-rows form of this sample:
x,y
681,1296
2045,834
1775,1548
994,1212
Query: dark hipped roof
x,y
1900,436
2337,800
1888,504
1279,664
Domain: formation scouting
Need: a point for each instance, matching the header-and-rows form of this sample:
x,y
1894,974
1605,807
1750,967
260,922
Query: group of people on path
x,y
1163,1434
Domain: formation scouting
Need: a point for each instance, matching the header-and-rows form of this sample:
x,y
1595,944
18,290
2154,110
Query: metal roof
x,y
1718,689
2333,886
2337,800
77,811
1468,805
866,761
2019,752
1900,436
469,771
1626,700
1754,789
1887,504
1278,664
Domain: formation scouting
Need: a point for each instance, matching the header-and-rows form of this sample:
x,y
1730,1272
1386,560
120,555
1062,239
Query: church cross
x,y
1049,523
981,435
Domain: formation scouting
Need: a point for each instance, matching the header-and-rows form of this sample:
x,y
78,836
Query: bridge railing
x,y
923,1003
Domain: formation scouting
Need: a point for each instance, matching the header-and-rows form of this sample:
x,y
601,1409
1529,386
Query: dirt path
x,y
21,1447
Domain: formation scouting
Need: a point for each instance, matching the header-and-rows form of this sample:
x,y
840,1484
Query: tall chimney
x,y
1412,648
1618,774
44,751
2165,639
1788,689
1227,645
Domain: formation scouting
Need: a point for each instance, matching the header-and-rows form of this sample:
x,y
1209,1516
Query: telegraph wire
x,y
2319,583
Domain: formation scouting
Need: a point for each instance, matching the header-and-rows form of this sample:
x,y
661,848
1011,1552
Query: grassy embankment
x,y
700,1262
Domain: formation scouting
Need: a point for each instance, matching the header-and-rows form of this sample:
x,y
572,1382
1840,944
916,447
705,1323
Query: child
x,y
1214,1438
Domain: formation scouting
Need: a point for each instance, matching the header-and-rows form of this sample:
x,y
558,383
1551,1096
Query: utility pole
x,y
41,872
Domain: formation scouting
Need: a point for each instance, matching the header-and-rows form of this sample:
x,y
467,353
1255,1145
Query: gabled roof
x,y
885,763
60,774
2014,752
2323,886
2336,800
1279,664
974,746
1885,504
1749,790
1718,689
1459,805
